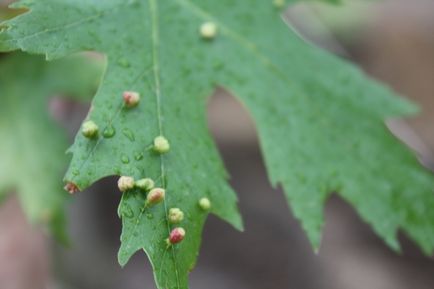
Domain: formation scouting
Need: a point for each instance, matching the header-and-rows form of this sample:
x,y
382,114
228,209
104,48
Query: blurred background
x,y
393,41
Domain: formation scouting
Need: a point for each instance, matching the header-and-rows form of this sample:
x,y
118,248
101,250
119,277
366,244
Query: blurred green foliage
x,y
32,146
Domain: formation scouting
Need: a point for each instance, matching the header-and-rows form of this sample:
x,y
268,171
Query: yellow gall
x,y
175,215
89,129
161,145
125,183
208,30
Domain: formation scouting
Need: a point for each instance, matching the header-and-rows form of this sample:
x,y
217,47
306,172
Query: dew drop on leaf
x,y
123,62
138,156
109,131
129,134
125,159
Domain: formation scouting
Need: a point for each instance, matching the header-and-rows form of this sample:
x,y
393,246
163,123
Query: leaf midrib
x,y
153,10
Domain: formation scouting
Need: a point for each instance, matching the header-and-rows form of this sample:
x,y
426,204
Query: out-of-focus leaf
x,y
32,145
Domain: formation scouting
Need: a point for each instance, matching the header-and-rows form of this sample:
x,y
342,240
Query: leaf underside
x,y
320,120
32,146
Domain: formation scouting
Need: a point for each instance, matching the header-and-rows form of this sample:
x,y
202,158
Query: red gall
x,y
131,98
176,236
155,196
71,188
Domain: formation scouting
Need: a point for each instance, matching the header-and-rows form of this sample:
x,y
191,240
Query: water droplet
x,y
138,156
109,131
124,62
125,159
75,172
129,134
127,211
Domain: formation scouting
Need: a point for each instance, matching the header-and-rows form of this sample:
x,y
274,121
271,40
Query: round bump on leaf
x,y
161,145
155,196
125,183
175,215
71,188
89,129
145,184
208,30
177,235
205,204
131,98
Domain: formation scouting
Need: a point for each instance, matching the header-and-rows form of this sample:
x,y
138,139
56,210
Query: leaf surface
x,y
320,120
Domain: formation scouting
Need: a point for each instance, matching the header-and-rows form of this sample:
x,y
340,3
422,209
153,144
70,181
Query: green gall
x,y
89,129
125,183
175,215
145,184
161,145
208,30
205,204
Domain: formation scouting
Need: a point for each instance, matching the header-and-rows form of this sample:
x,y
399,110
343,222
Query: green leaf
x,y
32,147
320,120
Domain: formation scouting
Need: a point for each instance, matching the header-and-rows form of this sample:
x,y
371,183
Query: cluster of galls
x,y
155,196
176,216
161,145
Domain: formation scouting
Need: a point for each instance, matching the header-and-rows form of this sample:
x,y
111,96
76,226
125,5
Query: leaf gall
x,y
208,30
125,183
175,215
89,129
